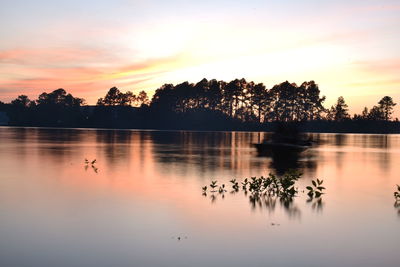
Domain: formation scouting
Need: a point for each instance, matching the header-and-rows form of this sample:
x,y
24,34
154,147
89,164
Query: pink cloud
x,y
378,8
47,56
33,71
380,67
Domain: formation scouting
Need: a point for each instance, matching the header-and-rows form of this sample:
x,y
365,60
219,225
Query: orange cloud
x,y
78,71
47,56
370,83
384,66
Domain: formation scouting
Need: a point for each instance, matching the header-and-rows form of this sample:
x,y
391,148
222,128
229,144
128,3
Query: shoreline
x,y
186,130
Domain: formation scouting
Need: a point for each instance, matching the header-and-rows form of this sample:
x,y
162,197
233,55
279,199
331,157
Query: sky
x,y
350,48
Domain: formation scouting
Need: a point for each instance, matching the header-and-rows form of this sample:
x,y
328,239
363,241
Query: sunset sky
x,y
349,48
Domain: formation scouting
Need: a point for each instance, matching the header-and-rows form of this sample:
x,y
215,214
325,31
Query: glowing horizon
x,y
349,49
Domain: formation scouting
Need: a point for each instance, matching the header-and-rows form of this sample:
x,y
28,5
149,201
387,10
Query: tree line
x,y
238,103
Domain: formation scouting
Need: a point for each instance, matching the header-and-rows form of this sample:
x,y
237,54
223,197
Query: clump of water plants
x,y
265,192
279,186
316,188
245,183
92,164
397,199
283,186
235,185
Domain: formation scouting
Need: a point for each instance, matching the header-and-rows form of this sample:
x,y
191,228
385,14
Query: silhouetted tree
x,y
238,104
59,97
214,94
142,98
376,114
164,98
386,104
22,101
339,111
312,102
364,114
113,98
284,102
130,98
260,100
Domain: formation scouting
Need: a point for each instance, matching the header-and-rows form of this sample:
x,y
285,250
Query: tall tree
x,y
60,98
339,111
142,98
364,114
130,98
214,94
113,98
386,104
376,114
260,99
313,102
22,101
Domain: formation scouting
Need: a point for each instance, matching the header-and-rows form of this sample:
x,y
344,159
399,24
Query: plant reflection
x,y
316,204
397,198
264,192
397,207
265,202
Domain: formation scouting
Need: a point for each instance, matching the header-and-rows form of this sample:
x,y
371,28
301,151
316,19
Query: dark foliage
x,y
206,105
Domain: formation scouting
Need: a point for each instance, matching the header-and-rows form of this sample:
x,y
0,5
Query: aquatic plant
x,y
213,185
222,189
244,184
92,164
235,185
316,188
397,194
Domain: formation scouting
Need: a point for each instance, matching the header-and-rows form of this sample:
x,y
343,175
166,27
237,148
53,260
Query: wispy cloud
x,y
44,57
77,70
382,66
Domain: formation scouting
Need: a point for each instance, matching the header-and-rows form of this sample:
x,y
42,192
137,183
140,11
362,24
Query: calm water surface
x,y
146,192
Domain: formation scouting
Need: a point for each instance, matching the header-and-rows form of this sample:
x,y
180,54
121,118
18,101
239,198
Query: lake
x,y
141,203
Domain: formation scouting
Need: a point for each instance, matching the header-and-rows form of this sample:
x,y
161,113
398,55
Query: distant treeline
x,y
206,105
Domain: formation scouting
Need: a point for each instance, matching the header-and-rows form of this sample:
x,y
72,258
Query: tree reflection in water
x,y
285,160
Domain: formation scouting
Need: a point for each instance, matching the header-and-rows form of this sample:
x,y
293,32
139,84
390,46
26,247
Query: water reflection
x,y
397,207
317,204
189,153
148,188
207,152
282,161
269,204
265,202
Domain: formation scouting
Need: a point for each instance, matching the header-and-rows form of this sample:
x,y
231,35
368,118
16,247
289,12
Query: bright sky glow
x,y
349,48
